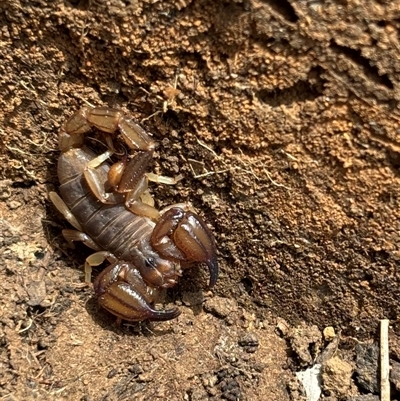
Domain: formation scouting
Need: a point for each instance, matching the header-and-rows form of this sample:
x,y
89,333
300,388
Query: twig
x,y
32,90
385,386
274,182
151,116
207,173
207,147
27,327
84,100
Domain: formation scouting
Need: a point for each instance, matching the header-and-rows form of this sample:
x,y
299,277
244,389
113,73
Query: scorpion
x,y
112,212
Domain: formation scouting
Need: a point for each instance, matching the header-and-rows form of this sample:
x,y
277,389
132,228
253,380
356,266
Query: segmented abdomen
x,y
112,227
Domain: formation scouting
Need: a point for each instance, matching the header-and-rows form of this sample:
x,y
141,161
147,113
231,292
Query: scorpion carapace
x,y
112,211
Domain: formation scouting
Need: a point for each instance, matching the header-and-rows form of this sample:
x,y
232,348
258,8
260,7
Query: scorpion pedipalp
x,y
121,290
184,236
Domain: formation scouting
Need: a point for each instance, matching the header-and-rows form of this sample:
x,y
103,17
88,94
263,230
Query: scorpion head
x,y
156,270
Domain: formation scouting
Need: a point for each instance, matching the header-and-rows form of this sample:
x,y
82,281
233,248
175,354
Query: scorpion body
x,y
111,227
113,213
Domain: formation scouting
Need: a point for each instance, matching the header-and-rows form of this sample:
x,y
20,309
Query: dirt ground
x,y
282,116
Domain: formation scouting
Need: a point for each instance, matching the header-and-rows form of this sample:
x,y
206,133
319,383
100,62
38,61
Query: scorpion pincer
x,y
113,213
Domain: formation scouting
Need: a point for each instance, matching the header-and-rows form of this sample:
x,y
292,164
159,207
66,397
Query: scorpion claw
x,y
183,235
161,315
121,290
213,268
195,240
122,300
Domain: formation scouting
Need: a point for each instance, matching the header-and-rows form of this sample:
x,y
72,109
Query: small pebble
x,y
329,333
249,342
136,369
220,307
112,373
14,204
192,298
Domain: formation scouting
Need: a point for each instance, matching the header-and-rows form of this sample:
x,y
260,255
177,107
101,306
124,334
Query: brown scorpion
x,y
113,213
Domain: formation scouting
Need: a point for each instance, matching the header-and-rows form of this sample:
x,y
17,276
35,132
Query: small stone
x,y
37,292
145,377
212,391
329,333
220,307
4,194
198,394
14,205
336,376
259,367
192,298
212,381
283,326
305,342
136,369
395,374
367,357
112,373
43,343
230,390
249,338
366,397
249,342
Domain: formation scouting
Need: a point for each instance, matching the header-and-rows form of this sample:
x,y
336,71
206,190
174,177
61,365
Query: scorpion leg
x,y
77,235
162,179
129,178
183,235
96,259
74,235
134,201
122,291
96,179
64,210
125,177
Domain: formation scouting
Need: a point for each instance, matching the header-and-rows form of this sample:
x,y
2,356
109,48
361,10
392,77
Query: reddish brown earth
x,y
283,118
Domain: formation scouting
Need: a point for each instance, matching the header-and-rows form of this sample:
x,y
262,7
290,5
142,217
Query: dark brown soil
x,y
283,118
